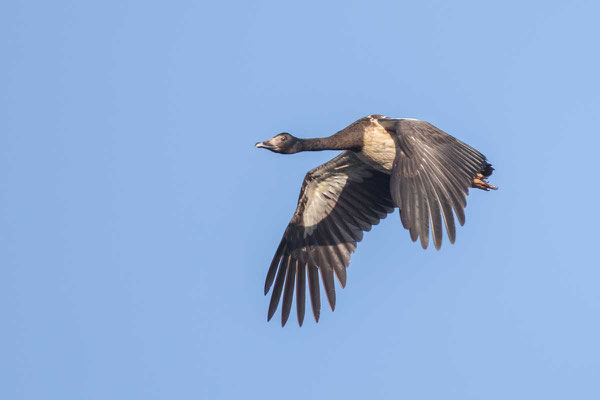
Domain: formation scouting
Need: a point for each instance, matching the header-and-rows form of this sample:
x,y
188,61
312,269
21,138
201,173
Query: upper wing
x,y
432,173
338,201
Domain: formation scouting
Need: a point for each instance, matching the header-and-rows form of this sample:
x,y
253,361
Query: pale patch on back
x,y
379,147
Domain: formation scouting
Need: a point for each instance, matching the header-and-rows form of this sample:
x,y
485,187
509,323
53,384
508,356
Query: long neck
x,y
334,142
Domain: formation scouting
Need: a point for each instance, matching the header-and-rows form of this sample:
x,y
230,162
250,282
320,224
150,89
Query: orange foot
x,y
480,182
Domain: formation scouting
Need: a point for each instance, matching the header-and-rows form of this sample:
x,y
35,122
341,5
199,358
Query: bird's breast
x,y
378,149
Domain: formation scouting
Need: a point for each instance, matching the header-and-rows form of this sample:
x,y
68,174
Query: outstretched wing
x,y
338,201
431,175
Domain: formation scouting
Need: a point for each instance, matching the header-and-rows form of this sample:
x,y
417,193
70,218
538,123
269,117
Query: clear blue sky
x,y
137,220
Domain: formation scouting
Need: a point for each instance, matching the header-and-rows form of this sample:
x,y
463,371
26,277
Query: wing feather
x,y
288,292
339,200
431,177
300,290
276,295
315,292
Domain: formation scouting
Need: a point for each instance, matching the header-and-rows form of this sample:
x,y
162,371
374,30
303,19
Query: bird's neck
x,y
334,142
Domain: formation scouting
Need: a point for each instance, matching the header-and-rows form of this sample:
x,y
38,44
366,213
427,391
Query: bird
x,y
385,164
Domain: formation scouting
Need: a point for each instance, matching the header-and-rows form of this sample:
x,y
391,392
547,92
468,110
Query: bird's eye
x,y
283,138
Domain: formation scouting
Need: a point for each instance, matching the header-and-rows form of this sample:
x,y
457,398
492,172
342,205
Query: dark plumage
x,y
387,163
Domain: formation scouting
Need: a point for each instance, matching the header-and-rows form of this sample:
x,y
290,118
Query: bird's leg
x,y
480,182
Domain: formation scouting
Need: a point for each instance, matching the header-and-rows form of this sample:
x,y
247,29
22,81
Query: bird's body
x,y
387,163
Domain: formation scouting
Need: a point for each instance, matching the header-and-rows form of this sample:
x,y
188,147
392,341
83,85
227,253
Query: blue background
x,y
137,220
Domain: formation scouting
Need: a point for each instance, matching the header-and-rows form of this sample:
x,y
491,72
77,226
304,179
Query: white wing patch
x,y
323,195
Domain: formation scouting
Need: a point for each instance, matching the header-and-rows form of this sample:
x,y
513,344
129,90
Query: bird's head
x,y
283,143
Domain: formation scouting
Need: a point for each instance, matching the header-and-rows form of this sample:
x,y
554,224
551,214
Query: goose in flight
x,y
387,163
